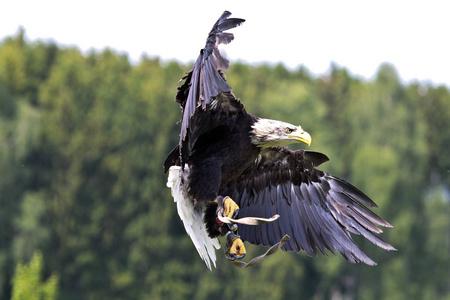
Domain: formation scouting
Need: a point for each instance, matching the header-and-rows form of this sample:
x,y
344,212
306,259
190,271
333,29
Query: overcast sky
x,y
359,35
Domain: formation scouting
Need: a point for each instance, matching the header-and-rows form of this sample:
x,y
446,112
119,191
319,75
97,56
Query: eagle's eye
x,y
289,130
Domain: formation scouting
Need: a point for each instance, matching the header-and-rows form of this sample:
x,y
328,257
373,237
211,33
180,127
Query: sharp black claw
x,y
238,257
230,256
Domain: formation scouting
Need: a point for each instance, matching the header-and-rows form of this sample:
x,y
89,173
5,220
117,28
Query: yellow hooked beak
x,y
301,136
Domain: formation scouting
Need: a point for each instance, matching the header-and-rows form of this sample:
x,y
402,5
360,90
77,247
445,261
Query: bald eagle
x,y
229,163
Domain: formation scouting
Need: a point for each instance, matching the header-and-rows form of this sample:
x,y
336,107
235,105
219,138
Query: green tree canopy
x,y
83,137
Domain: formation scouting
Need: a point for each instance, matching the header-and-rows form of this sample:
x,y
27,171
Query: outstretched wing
x,y
317,210
206,83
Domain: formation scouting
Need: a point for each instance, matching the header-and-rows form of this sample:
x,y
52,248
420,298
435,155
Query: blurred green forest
x,y
83,137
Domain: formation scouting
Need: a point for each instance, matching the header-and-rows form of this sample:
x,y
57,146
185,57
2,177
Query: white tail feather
x,y
192,218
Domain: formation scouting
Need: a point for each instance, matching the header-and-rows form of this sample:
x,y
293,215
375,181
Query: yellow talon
x,y
237,249
231,209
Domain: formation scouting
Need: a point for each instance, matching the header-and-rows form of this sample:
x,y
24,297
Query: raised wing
x,y
205,81
317,210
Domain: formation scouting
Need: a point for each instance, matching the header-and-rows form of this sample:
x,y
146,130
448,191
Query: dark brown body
x,y
219,159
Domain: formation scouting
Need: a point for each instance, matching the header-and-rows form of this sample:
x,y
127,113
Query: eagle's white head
x,y
267,133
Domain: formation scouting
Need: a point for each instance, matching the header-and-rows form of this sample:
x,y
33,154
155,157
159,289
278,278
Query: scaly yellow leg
x,y
235,246
237,249
231,209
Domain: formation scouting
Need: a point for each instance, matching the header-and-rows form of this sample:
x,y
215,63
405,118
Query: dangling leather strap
x,y
258,259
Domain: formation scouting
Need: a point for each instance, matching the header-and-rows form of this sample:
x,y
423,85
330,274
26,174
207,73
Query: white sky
x,y
359,35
